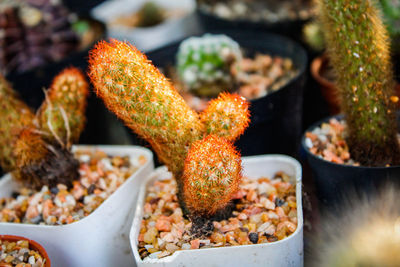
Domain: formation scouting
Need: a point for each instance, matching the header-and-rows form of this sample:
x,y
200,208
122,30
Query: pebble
x,y
19,254
101,175
254,220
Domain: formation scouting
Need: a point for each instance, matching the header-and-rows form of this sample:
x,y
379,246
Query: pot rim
x,y
316,66
162,169
32,244
287,21
311,155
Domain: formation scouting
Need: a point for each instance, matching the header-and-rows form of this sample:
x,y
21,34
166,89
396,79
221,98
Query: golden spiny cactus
x,y
145,100
211,175
62,114
226,116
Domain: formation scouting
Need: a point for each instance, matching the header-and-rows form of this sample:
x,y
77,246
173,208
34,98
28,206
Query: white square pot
x,y
283,253
148,38
101,238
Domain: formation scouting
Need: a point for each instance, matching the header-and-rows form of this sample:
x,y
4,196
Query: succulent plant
x,y
143,98
62,115
33,154
34,33
204,63
358,48
150,14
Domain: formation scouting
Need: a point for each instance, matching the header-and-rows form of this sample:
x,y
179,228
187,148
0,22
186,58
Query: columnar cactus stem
x,y
359,52
14,115
39,163
145,100
62,114
226,116
211,175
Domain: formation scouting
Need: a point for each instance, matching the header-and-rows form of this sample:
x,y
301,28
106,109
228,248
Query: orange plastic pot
x,y
32,245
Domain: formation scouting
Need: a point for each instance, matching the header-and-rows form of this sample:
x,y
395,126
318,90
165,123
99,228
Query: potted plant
x,y
61,196
149,24
360,149
19,251
268,70
198,151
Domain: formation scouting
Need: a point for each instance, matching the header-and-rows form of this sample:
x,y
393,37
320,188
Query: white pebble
x,y
186,246
308,143
31,260
154,255
263,227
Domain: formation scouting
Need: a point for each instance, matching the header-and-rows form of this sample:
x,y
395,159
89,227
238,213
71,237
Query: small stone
x,y
263,227
186,246
253,237
171,247
195,244
154,255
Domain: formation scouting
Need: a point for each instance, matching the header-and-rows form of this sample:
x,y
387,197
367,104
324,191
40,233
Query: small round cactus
x,y
204,63
226,116
211,175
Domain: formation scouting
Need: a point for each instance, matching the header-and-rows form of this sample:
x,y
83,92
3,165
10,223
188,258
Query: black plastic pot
x,y
212,23
336,182
276,119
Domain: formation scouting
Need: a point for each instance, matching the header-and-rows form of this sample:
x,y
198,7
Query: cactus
x,y
14,115
142,97
28,151
226,116
358,49
145,100
39,163
204,63
211,175
67,95
150,14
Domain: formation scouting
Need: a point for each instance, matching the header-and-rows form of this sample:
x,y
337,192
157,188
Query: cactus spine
x,y
211,175
226,116
358,49
62,115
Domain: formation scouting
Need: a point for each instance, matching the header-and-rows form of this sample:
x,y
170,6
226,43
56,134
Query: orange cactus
x,y
211,175
227,116
145,100
62,114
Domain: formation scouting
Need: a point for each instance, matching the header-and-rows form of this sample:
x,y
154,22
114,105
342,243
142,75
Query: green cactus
x,y
359,52
204,63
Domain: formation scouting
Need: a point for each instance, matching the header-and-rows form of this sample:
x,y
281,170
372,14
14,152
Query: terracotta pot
x,y
328,88
32,245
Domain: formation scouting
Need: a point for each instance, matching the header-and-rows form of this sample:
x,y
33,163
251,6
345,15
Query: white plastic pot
x,y
283,253
148,38
100,239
